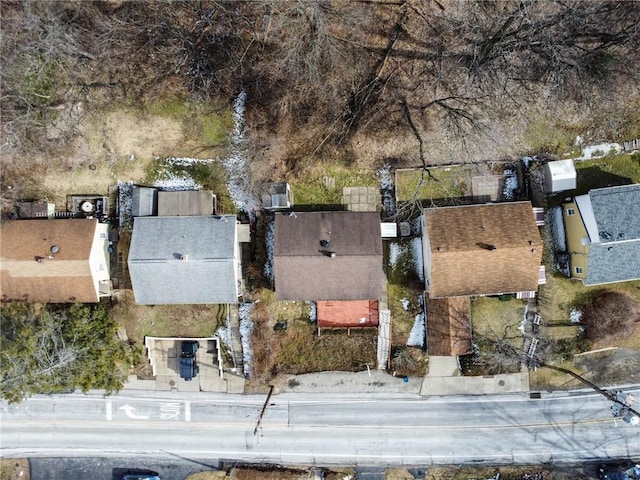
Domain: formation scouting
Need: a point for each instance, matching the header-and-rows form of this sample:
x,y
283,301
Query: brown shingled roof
x,y
448,326
482,249
303,262
64,278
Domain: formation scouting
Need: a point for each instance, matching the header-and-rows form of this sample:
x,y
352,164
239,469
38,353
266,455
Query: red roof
x,y
348,314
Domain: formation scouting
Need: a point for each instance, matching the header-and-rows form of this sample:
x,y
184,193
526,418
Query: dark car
x,y
134,474
606,472
188,366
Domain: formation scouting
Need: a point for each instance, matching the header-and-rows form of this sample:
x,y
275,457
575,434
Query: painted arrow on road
x,y
128,409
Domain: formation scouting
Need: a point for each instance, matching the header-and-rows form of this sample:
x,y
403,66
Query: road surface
x,y
336,429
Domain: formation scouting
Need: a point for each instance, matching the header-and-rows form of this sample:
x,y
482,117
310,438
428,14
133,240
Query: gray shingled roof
x,y
208,275
304,268
617,214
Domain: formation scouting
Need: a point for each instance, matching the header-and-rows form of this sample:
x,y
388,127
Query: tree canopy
x,y
53,349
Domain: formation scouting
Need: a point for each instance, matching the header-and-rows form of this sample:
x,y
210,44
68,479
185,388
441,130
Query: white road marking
x,y
187,411
109,411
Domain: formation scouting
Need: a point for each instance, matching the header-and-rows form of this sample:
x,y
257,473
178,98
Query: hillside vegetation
x,y
407,82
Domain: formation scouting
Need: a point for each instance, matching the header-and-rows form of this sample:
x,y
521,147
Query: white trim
x,y
583,203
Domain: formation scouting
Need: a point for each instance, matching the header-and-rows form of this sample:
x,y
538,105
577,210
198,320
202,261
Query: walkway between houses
x,y
236,342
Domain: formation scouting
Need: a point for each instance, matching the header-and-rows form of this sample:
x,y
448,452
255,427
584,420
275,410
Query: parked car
x,y
607,472
134,474
188,366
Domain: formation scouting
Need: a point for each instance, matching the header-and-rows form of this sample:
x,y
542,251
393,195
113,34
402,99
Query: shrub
x,y
610,313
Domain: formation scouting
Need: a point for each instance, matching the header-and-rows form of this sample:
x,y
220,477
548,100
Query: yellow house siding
x,y
576,233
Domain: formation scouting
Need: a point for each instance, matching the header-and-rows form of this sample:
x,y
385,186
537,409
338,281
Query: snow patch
x,y
224,335
246,328
510,184
524,319
528,160
395,250
236,163
408,255
269,239
575,315
556,224
598,151
175,182
387,189
125,204
418,264
405,304
313,311
416,337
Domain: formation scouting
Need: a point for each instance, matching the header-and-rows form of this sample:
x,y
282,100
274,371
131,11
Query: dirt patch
x,y
14,469
127,132
117,146
615,367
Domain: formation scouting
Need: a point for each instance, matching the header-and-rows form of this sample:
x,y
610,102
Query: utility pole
x,y
264,408
621,402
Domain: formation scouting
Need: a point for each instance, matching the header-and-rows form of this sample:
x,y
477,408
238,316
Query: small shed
x,y
278,197
559,176
144,202
36,209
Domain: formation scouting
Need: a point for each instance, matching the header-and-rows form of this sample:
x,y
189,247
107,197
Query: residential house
x,y
54,261
334,255
485,249
603,235
185,260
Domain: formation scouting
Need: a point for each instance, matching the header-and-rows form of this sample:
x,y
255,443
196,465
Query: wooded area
x,y
318,72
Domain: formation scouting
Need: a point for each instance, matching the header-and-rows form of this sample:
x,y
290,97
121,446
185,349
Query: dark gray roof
x,y
613,262
304,268
144,201
207,272
617,214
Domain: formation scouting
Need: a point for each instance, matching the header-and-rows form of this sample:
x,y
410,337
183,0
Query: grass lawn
x,y
310,189
495,318
298,348
404,285
202,125
555,301
447,183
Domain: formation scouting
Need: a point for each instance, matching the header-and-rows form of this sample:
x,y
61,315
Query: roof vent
x,y
184,258
324,243
55,249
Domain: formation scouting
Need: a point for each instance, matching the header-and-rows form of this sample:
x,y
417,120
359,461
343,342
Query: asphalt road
x,y
365,429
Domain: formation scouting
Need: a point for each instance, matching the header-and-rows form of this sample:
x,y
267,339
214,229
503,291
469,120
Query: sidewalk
x,y
444,379
376,381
